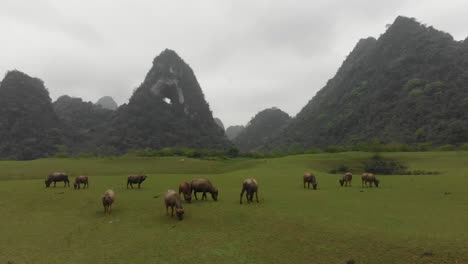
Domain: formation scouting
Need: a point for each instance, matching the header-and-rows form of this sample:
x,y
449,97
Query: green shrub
x,y
446,147
377,164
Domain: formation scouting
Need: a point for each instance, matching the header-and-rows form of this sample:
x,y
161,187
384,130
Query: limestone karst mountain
x,y
29,127
408,86
167,110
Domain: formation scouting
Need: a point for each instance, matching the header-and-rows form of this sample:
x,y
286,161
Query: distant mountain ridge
x,y
107,102
233,131
264,126
408,86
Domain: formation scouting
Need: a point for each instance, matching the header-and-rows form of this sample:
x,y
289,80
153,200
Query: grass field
x,y
409,219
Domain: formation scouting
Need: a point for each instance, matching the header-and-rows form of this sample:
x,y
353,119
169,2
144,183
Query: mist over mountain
x,y
233,131
408,86
167,110
29,127
107,102
264,126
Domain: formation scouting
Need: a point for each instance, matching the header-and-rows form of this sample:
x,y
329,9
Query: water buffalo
x,y
57,177
172,199
346,180
368,179
135,179
184,187
250,186
310,179
79,180
204,186
107,200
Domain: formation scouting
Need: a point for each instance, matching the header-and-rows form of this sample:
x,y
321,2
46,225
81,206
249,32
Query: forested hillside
x,y
29,127
408,86
84,125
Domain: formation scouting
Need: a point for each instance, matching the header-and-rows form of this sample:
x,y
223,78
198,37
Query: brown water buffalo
x,y
184,187
250,186
107,200
135,179
368,179
57,177
204,186
310,179
172,199
346,180
81,180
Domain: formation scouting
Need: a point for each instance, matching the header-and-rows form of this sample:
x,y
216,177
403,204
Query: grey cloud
x,y
247,55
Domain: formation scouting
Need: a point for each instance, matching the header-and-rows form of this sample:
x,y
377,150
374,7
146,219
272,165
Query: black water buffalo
x,y
57,177
81,180
204,186
184,187
250,186
346,180
172,199
135,179
309,178
107,200
368,179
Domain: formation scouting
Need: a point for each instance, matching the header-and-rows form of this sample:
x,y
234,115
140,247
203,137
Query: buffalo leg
x,y
195,194
242,194
256,196
172,211
203,196
139,184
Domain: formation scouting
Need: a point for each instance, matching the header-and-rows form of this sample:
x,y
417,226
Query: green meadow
x,y
408,219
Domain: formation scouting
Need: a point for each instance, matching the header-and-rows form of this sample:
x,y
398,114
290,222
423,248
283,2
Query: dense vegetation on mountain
x,y
167,110
408,86
29,127
83,124
233,131
107,102
263,127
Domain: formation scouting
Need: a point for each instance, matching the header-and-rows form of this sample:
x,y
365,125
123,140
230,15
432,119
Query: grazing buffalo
x,y
204,186
81,180
107,200
310,179
172,199
250,186
135,179
346,180
57,177
184,187
368,179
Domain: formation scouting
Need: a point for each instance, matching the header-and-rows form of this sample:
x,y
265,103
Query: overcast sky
x,y
247,55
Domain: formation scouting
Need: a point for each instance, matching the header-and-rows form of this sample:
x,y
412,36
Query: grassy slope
x,y
393,224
